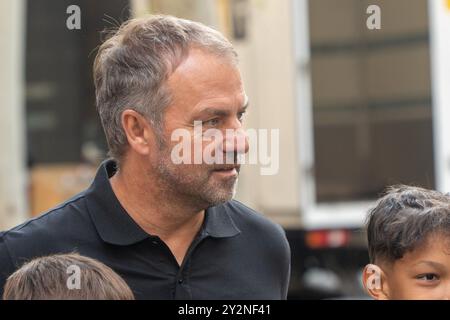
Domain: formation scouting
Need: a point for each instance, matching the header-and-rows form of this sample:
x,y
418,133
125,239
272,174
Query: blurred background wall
x,y
13,183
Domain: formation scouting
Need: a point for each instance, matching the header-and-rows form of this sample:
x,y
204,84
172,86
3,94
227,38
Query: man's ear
x,y
138,131
375,282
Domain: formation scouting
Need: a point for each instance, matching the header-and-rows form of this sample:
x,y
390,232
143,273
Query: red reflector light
x,y
327,238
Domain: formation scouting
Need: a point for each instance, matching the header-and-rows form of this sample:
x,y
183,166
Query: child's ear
x,y
375,282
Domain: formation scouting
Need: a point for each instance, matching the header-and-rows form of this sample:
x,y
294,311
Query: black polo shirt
x,y
237,254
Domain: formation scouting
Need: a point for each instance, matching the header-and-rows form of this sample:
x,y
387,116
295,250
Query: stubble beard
x,y
198,188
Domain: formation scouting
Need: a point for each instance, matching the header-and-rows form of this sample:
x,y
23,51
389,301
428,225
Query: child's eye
x,y
428,277
241,116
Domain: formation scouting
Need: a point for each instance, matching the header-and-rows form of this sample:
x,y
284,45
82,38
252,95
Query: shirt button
x,y
155,242
180,281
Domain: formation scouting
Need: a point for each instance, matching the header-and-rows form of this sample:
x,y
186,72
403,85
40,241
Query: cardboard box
x,y
51,185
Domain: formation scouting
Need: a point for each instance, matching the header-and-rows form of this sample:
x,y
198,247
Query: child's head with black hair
x,y
408,235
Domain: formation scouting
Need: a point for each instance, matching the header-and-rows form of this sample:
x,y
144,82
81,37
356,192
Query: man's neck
x,y
155,210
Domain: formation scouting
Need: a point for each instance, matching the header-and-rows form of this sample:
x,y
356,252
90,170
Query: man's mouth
x,y
230,170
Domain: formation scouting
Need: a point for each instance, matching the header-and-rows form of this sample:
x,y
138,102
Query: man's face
x,y
423,273
208,89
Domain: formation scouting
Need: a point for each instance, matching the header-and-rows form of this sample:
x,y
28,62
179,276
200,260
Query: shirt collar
x,y
218,222
115,226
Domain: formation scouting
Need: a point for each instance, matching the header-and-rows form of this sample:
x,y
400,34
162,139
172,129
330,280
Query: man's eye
x,y
211,122
428,277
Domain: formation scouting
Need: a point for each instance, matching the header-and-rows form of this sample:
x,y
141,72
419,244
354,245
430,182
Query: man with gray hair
x,y
170,229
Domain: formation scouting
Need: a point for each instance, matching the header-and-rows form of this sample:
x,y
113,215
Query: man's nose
x,y
236,141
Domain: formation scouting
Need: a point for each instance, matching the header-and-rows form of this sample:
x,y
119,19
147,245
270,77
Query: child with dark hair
x,y
66,277
409,245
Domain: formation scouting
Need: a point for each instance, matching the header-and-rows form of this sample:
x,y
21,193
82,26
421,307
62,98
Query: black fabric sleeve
x,y
286,271
6,264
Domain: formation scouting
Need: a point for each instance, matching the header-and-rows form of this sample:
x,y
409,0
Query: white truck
x,y
358,110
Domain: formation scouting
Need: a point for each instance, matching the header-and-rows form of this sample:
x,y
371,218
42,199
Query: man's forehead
x,y
238,102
